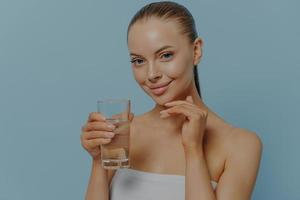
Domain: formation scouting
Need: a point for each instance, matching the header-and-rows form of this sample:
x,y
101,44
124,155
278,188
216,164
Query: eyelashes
x,y
134,61
167,55
164,58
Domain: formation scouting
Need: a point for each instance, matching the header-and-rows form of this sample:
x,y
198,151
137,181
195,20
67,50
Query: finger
x,y
181,109
90,144
178,102
98,126
131,116
98,134
96,116
190,99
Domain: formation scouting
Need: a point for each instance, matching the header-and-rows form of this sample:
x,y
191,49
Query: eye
x,y
167,56
137,61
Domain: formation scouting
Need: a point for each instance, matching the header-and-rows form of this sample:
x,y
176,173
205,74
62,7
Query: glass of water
x,y
115,154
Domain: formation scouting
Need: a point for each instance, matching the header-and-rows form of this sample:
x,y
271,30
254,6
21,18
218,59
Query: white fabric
x,y
131,184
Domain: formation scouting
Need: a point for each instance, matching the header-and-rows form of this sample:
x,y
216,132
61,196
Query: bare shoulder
x,y
243,141
244,150
243,154
139,120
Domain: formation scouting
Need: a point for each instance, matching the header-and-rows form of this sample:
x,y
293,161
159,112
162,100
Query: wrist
x,y
96,162
194,151
97,167
96,159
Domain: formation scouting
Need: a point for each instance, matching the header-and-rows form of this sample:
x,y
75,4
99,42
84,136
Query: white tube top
x,y
131,184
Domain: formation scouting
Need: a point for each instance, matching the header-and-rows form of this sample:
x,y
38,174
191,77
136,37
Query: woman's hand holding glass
x,y
95,133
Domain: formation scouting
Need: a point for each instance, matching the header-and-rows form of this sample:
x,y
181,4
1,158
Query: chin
x,y
161,100
168,96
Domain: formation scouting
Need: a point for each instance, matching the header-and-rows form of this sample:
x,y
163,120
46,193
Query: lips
x,y
159,89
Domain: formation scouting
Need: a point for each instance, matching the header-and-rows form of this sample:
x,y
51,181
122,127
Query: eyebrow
x,y
157,51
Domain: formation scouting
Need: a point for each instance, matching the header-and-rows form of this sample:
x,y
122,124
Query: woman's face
x,y
162,59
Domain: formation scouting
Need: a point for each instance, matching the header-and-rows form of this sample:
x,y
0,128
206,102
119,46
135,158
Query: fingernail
x,y
111,126
110,134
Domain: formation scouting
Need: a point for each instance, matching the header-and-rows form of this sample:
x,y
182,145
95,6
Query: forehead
x,y
153,33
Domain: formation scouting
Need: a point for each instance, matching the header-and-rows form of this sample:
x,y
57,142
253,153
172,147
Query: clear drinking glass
x,y
116,154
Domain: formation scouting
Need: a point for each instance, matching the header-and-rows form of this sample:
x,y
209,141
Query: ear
x,y
198,43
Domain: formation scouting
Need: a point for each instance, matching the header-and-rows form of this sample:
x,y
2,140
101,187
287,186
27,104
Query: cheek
x,y
139,75
178,68
174,71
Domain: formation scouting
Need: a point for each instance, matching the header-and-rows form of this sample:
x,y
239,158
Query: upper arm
x,y
241,166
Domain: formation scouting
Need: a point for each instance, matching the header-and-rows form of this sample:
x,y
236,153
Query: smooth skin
x,y
180,135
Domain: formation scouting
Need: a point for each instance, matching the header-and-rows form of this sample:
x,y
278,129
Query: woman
x,y
180,149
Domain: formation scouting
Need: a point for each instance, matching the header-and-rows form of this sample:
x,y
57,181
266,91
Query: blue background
x,y
58,57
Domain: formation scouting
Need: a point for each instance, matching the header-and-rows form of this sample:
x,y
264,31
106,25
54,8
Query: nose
x,y
153,73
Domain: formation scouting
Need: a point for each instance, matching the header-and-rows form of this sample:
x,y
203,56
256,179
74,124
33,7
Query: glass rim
x,y
113,100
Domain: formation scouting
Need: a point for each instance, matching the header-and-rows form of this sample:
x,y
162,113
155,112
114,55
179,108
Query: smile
x,y
160,90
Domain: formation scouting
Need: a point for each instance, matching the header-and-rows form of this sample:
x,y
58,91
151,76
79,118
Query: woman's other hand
x,y
194,124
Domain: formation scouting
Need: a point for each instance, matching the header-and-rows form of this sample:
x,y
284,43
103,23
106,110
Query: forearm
x,y
98,184
197,179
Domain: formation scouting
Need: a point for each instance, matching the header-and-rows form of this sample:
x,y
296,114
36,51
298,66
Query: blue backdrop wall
x,y
58,57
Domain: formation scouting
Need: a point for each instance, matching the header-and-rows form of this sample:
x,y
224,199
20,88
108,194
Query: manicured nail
x,y
111,126
110,134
